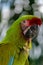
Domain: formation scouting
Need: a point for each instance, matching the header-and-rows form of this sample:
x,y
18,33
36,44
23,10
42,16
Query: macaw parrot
x,y
14,48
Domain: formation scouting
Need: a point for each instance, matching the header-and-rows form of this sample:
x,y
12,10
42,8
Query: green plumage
x,y
13,42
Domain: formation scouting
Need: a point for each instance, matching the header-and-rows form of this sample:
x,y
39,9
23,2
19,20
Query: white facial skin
x,y
23,25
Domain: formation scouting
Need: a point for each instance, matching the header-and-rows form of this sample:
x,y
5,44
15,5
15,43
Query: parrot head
x,y
30,27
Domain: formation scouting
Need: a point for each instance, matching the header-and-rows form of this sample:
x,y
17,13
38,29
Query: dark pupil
x,y
32,32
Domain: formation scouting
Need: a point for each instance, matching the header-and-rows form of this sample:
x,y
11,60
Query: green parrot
x,y
14,48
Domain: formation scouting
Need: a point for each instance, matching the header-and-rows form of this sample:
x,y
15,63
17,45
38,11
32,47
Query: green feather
x,y
13,42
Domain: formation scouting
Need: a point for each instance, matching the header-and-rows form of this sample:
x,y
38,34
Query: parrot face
x,y
29,32
30,28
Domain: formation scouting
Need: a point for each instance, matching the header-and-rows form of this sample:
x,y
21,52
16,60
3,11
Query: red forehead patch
x,y
33,21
